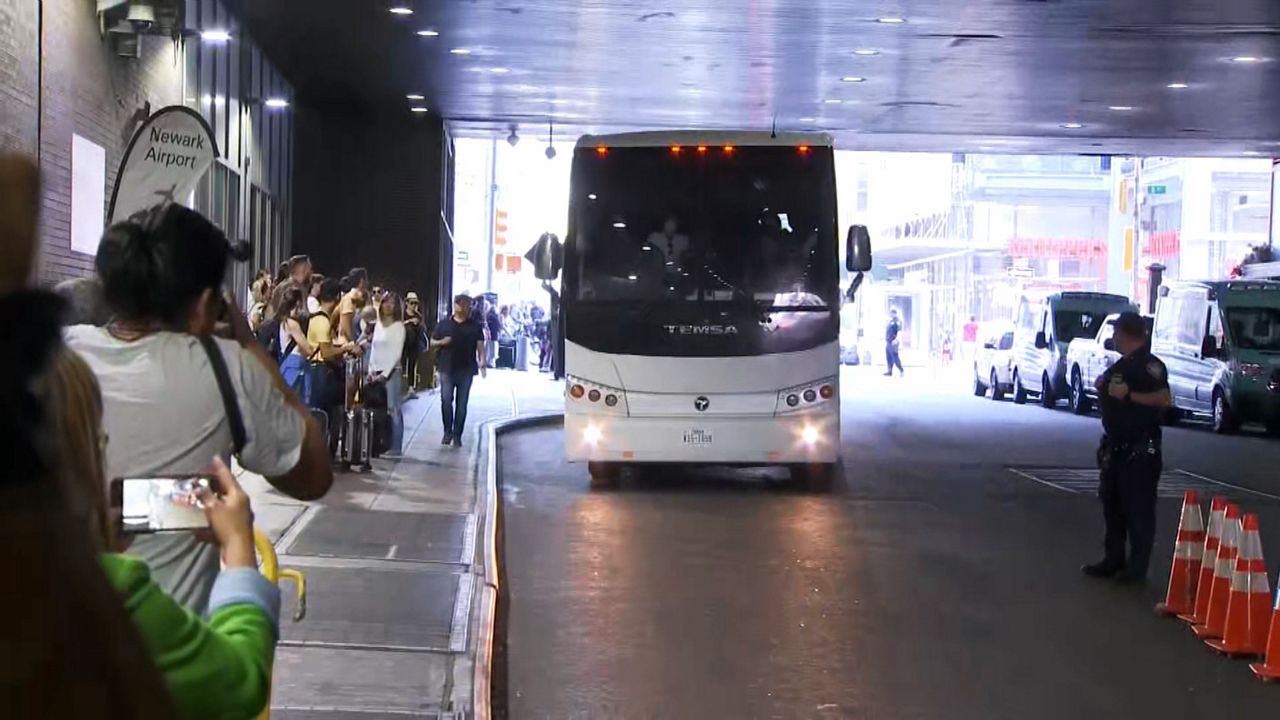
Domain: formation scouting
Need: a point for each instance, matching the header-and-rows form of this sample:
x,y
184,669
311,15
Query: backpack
x,y
269,337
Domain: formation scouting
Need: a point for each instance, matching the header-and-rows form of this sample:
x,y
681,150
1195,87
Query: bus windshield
x,y
747,225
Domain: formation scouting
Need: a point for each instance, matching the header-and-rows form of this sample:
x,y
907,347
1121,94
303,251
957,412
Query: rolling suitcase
x,y
358,438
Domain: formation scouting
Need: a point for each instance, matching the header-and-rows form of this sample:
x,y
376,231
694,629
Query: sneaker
x,y
447,440
1102,569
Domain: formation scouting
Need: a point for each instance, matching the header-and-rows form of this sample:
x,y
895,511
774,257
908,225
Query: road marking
x,y
1033,478
1084,481
1233,487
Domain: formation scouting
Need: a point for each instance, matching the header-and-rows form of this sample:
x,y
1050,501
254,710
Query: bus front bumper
x,y
787,439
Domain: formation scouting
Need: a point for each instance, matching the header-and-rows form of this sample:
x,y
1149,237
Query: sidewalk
x,y
389,558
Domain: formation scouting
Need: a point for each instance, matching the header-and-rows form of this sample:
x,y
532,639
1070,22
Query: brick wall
x,y
18,75
91,92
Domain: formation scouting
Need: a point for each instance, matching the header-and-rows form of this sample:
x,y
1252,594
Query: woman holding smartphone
x,y
217,668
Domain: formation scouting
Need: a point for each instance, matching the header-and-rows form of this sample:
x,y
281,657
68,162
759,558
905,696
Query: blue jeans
x,y
297,374
455,390
395,410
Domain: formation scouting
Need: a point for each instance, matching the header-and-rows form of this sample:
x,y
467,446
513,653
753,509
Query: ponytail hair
x,y
155,265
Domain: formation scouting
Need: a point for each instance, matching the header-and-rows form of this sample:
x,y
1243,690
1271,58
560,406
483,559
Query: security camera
x,y
551,152
513,138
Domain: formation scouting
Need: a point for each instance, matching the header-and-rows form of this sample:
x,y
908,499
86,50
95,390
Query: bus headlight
x,y
810,435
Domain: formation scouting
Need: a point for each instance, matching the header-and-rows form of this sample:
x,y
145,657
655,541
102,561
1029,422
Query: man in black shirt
x,y
1133,394
892,358
460,354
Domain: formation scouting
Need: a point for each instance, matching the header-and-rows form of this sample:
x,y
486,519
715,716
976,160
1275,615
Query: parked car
x,y
1045,327
1087,359
993,363
1220,341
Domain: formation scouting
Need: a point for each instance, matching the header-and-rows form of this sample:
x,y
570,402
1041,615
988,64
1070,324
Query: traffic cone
x,y
1269,669
1217,512
1245,631
1223,569
1185,573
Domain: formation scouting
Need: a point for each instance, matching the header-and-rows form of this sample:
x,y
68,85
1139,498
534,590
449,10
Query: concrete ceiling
x,y
971,75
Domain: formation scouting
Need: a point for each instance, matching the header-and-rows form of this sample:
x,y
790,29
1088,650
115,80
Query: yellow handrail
x,y
269,566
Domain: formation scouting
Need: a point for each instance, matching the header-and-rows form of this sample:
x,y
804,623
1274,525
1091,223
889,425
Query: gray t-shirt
x,y
163,414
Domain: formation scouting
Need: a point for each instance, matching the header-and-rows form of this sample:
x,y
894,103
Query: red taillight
x,y
803,149
702,149
827,392
675,149
602,150
577,391
594,395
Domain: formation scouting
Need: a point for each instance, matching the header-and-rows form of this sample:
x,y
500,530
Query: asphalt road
x,y
933,582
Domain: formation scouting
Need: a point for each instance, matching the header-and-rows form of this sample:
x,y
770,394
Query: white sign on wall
x,y
88,194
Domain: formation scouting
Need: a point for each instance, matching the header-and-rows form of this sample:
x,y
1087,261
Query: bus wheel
x,y
604,475
814,477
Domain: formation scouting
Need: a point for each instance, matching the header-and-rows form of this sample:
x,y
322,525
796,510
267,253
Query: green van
x,y
1221,343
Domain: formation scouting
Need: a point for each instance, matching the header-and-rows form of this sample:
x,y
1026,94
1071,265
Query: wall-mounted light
x,y
417,109
399,8
276,103
215,36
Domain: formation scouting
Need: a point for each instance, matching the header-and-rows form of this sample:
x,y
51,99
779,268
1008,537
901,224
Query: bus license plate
x,y
698,437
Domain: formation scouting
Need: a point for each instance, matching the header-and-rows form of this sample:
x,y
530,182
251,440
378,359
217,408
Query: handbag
x,y
375,395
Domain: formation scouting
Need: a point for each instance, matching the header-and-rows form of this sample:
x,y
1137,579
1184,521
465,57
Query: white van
x,y
1045,327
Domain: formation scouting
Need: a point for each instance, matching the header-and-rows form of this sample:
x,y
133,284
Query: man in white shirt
x,y
673,244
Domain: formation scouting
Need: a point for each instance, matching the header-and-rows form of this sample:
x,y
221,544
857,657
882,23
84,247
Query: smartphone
x,y
160,504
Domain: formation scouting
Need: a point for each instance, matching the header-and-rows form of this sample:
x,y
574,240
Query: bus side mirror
x,y
858,249
1109,345
1042,342
546,255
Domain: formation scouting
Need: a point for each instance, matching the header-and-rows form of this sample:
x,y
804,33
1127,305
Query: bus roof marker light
x,y
728,149
602,150
803,149
702,149
675,149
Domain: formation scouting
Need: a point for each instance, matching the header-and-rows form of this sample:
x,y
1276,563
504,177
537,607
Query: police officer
x,y
1133,394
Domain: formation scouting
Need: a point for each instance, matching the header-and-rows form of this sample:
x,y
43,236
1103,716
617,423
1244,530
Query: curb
x,y
482,678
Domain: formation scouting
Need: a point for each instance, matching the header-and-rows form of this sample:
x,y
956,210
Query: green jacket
x,y
216,670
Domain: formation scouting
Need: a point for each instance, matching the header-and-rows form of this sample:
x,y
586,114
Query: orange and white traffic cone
x,y
1208,558
1185,573
1269,668
1245,632
1223,570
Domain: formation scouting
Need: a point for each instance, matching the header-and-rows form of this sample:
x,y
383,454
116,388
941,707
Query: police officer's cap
x,y
1131,324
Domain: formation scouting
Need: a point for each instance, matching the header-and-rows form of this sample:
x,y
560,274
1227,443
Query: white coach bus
x,y
700,301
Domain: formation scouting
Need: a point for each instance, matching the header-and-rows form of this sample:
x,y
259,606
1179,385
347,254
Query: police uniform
x,y
1130,462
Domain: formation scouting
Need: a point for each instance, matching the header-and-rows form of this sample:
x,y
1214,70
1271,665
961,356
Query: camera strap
x,y
219,364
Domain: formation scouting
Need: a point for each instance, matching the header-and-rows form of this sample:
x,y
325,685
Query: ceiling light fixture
x,y
460,51
417,109
866,52
852,79
1071,126
891,20
1246,59
414,96
1177,86
215,36
513,138
499,70
276,103
808,120
551,136
832,101
1251,153
429,33
1120,108
400,9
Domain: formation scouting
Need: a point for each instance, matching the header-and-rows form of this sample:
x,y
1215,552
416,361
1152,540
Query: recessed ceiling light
x,y
1071,126
215,36
400,9
891,20
852,79
460,51
1120,108
808,120
429,33
866,52
1246,59
985,147
414,96
417,109
500,70
832,101
276,103
1251,153
558,101
1177,86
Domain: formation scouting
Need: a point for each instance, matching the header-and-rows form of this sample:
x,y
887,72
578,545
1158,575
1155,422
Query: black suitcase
x,y
357,443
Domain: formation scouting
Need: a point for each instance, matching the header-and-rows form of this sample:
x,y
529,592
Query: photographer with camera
x,y
174,395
